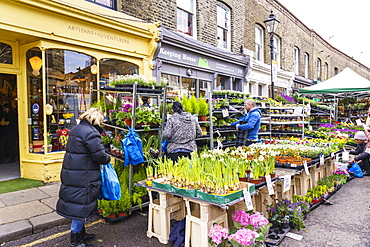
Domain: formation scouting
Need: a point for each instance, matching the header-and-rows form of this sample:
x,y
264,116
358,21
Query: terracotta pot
x,y
128,122
245,179
273,175
112,216
255,181
122,214
203,118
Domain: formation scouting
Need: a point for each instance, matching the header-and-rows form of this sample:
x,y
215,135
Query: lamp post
x,y
271,26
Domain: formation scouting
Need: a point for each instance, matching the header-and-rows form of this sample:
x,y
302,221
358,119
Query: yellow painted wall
x,y
74,25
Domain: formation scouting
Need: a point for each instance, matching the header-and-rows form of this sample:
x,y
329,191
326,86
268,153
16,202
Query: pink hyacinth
x,y
217,233
257,220
243,236
241,217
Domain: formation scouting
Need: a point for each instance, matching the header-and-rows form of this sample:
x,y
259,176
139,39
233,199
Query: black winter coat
x,y
80,175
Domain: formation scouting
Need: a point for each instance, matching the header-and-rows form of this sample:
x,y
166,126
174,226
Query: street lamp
x,y
271,26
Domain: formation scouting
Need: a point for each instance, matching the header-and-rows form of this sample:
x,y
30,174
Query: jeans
x,y
77,225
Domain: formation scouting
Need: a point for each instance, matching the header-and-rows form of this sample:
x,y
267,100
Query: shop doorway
x,y
9,147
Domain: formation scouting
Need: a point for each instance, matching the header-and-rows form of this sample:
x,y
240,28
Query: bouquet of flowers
x,y
249,229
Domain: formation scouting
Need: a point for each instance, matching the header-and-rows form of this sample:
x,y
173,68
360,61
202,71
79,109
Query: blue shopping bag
x,y
110,187
356,169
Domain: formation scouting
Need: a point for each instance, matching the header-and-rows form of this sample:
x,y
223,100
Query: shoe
x,y
76,240
85,236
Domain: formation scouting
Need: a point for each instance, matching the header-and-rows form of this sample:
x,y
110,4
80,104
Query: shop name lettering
x,y
100,35
178,56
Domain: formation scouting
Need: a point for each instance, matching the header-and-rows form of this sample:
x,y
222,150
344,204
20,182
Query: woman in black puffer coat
x,y
80,175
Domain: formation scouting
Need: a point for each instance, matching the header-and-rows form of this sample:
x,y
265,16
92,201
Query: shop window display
x,y
6,53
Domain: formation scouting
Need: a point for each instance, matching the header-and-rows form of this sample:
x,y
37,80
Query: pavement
x,y
29,211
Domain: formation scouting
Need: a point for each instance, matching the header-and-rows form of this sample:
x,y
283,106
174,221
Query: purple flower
x,y
241,217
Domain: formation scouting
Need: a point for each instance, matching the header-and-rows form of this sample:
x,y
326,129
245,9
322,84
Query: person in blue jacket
x,y
248,125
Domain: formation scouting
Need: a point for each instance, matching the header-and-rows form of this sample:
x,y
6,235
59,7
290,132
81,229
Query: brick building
x,y
303,56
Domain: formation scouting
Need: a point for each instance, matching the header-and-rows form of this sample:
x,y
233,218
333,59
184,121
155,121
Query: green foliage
x,y
194,105
147,115
203,107
19,184
137,191
187,105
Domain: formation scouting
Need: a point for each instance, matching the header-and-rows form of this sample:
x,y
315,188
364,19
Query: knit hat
x,y
360,136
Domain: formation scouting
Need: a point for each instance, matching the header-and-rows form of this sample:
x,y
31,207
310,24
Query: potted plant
x,y
203,109
147,116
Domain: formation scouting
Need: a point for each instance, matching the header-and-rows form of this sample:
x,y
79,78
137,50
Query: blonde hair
x,y
250,102
94,116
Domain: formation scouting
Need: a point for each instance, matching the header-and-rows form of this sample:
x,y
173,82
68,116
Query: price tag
x,y
345,156
248,199
322,159
337,158
225,113
306,167
298,110
263,104
270,186
358,122
287,182
294,236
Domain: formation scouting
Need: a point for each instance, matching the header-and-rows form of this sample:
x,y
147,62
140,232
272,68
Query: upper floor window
x,y
336,71
186,16
276,51
296,60
318,69
106,3
223,27
6,53
306,62
259,43
326,71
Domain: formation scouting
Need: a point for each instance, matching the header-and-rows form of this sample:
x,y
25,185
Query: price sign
x,y
287,183
270,186
306,167
322,159
248,199
345,156
225,113
298,110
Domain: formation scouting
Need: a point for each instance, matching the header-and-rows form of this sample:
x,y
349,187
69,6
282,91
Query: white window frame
x,y
223,27
186,7
259,43
306,64
296,60
276,51
318,68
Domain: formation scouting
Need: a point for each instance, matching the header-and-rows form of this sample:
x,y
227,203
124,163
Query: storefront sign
x,y
198,60
35,108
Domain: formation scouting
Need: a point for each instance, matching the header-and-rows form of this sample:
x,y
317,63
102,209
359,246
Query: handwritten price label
x,y
248,199
287,182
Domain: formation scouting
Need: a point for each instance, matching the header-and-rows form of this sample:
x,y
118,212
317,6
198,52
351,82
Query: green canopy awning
x,y
345,81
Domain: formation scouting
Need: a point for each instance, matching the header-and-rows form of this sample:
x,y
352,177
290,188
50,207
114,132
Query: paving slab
x,y
15,230
22,196
51,189
2,204
51,202
23,211
47,221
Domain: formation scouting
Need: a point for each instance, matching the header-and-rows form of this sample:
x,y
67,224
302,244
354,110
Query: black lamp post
x,y
271,26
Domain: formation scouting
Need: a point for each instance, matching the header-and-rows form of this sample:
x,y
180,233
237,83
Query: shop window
x,y
106,3
110,69
222,83
173,84
203,87
223,27
188,86
6,54
186,17
259,43
260,90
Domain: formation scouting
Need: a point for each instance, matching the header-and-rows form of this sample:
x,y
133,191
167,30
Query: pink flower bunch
x,y
257,220
241,217
217,233
243,236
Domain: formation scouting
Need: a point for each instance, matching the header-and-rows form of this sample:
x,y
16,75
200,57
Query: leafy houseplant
x,y
203,107
147,115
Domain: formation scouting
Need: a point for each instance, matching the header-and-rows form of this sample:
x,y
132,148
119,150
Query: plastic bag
x,y
110,187
356,169
164,146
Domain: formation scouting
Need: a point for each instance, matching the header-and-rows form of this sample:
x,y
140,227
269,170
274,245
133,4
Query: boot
x,y
76,240
87,237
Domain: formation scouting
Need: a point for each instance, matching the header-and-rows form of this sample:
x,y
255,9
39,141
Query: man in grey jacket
x,y
180,131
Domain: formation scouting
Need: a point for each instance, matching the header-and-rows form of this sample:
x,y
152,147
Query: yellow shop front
x,y
54,57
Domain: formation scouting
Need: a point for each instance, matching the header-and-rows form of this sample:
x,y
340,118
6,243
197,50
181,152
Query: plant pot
x,y
255,181
128,122
112,216
203,118
122,214
244,179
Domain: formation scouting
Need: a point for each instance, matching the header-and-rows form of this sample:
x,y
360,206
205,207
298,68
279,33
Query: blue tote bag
x,y
110,187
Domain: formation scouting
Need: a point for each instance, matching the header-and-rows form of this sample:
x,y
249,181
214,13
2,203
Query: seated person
x,y
146,101
362,157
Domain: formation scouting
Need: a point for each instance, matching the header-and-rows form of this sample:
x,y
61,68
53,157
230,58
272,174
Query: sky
x,y
344,24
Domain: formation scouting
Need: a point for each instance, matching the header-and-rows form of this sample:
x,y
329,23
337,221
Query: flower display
x,y
249,228
68,115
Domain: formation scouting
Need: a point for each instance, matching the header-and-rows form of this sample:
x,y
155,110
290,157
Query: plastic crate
x,y
199,218
161,211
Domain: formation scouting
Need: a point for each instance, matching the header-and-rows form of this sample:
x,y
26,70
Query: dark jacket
x,y
181,131
250,121
80,175
363,158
